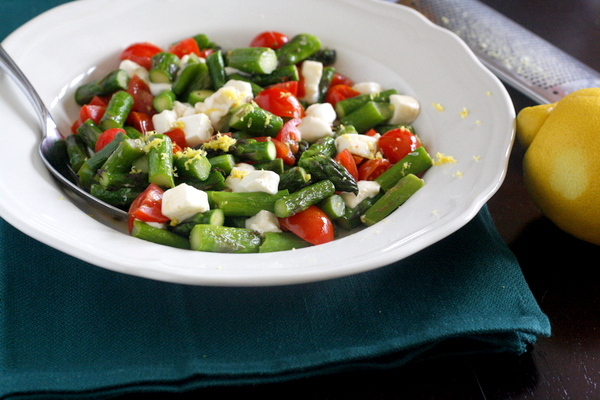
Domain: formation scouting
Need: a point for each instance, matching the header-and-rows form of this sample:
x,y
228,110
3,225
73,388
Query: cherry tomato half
x,y
142,97
289,134
397,143
280,102
345,159
371,169
185,47
290,86
270,39
339,79
339,92
140,121
148,205
92,112
141,53
106,137
177,136
312,225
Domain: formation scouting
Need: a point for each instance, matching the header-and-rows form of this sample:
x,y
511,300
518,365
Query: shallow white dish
x,y
376,41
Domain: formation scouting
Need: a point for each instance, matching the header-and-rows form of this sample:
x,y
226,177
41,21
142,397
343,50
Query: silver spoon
x,y
52,149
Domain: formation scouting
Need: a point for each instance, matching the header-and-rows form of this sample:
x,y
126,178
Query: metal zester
x,y
516,55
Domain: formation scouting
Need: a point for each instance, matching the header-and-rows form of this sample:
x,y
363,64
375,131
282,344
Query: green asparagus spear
x,y
253,60
144,231
224,239
117,110
392,199
112,82
281,241
303,198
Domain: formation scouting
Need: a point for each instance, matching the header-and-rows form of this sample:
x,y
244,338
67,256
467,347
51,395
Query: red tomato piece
x,y
106,137
206,52
280,102
140,121
92,112
290,86
397,143
371,169
185,47
345,159
141,53
147,206
312,225
339,92
339,79
270,39
177,136
290,135
142,97
99,101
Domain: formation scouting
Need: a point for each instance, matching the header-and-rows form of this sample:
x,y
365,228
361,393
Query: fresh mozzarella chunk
x,y
264,221
325,111
244,88
158,88
132,68
238,172
314,128
183,201
164,121
159,225
183,109
312,71
367,87
406,109
357,144
217,105
260,181
366,189
197,128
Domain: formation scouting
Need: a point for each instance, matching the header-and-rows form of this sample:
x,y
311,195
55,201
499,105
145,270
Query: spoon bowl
x,y
52,148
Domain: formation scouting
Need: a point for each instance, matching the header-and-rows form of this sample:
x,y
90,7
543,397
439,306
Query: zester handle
x,y
516,55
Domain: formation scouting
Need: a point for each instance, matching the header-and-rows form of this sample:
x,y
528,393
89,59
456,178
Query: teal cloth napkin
x,y
70,329
67,327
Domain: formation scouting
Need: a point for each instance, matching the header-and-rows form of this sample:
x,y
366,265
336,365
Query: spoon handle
x,y
11,68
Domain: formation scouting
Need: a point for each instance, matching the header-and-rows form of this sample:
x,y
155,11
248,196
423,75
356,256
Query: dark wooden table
x,y
559,269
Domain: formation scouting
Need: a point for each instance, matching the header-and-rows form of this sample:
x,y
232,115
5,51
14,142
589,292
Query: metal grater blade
x,y
516,55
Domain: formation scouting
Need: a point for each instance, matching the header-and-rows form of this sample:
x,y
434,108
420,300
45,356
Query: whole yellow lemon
x,y
561,166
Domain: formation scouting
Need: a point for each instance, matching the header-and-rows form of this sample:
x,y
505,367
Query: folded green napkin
x,y
67,327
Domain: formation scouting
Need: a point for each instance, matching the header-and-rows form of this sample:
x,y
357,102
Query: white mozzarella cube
x,y
197,128
183,201
357,144
406,109
238,172
314,128
164,121
244,89
312,71
367,87
183,109
325,111
260,181
264,221
157,88
217,105
132,68
366,189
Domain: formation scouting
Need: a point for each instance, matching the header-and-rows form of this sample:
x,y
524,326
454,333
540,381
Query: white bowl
x,y
376,41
